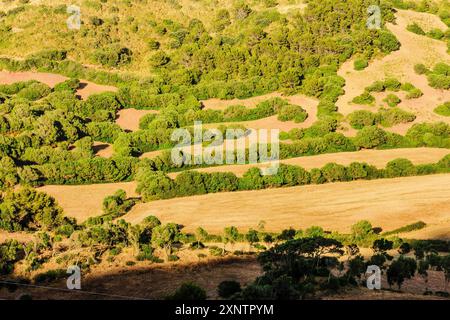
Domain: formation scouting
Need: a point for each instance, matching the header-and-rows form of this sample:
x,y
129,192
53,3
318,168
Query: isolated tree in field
x,y
165,236
382,245
230,235
361,230
201,234
252,237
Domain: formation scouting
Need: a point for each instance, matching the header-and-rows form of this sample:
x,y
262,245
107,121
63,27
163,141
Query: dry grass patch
x,y
84,201
387,203
378,158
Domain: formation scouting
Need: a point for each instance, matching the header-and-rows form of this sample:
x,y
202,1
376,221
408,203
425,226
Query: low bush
x,y
361,64
392,100
365,98
292,113
415,28
421,69
188,291
443,109
226,289
362,118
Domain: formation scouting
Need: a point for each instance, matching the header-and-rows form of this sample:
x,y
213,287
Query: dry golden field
x,y
378,158
387,203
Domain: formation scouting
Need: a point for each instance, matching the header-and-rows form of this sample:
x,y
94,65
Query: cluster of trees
x,y
390,84
386,117
300,267
154,185
117,204
313,251
28,209
241,58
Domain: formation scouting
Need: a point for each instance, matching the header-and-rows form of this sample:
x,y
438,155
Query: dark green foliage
x,y
400,168
226,289
400,270
10,252
392,100
361,64
28,209
370,137
188,291
439,76
410,227
415,28
68,85
292,113
365,98
291,268
430,134
113,56
362,118
117,205
34,91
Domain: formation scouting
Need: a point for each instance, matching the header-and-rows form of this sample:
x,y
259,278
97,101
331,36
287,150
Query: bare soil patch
x,y
128,119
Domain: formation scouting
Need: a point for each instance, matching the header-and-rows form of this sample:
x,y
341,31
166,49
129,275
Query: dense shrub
x,y
292,112
400,168
360,64
392,100
228,288
113,56
415,28
439,77
365,98
117,205
34,91
393,116
68,85
28,209
370,137
188,291
362,118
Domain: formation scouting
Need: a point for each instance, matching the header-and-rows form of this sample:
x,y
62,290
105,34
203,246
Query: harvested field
x,y
84,201
387,203
378,158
